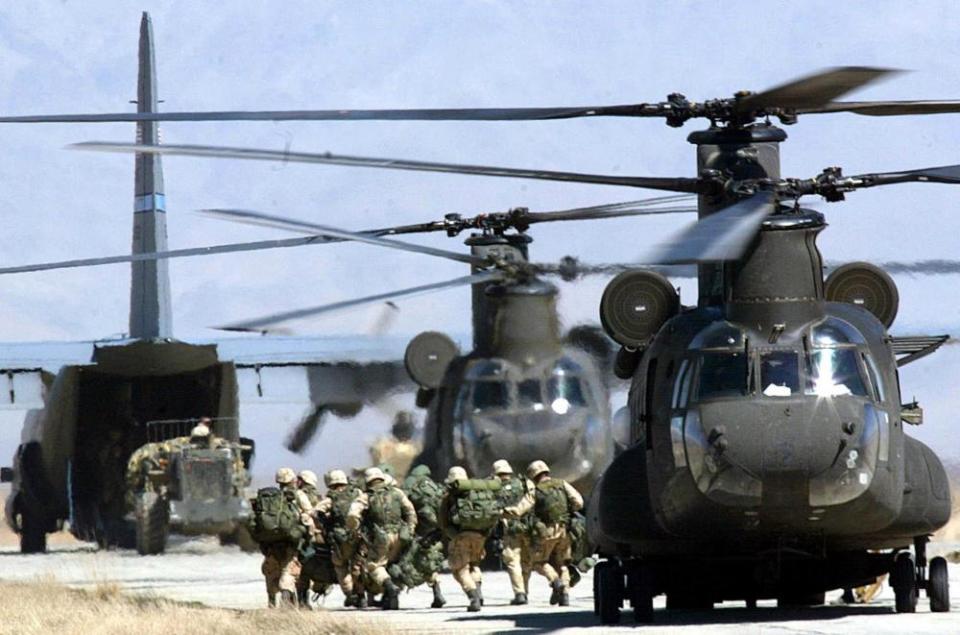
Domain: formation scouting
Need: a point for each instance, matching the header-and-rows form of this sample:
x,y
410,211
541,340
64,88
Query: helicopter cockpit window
x,y
530,393
722,374
874,377
490,394
833,331
779,373
834,372
564,391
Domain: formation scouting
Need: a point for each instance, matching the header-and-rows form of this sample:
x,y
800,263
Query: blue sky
x,y
81,57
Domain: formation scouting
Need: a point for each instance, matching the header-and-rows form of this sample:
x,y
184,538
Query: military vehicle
x,y
97,398
768,456
191,487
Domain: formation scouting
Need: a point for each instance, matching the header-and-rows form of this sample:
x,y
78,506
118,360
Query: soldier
x,y
426,494
552,501
332,510
399,449
307,483
281,567
468,512
514,532
389,521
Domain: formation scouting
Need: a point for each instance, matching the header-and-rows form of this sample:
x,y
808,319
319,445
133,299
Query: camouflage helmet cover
x,y
309,477
420,471
285,476
456,473
502,466
200,430
373,474
335,477
537,468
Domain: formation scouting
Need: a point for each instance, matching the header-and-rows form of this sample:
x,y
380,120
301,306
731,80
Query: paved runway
x,y
201,570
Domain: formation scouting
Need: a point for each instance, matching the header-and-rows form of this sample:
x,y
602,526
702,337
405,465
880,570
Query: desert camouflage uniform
x,y
550,547
281,564
516,555
383,538
344,545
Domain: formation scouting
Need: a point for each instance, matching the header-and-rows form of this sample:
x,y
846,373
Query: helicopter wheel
x,y
608,591
938,586
640,591
904,583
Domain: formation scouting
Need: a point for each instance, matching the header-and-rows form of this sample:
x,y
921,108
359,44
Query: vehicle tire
x,y
640,592
608,596
153,523
33,533
938,585
905,583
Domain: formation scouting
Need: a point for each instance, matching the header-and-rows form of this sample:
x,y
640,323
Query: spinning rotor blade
x,y
814,90
306,429
888,108
723,235
289,224
941,174
613,210
936,267
691,186
411,114
261,324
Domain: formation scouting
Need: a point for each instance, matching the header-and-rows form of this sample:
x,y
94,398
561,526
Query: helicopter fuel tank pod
x,y
634,306
867,286
427,357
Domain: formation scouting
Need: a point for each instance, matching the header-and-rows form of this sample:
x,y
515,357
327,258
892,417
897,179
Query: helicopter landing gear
x,y
903,579
934,580
608,591
640,591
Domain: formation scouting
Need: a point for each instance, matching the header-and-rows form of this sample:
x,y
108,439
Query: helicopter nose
x,y
565,442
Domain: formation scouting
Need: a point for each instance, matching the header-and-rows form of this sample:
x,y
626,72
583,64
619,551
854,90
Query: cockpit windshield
x,y
564,391
779,373
834,372
530,393
490,394
722,374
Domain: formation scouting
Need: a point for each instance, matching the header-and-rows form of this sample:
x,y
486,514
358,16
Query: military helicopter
x,y
768,453
523,391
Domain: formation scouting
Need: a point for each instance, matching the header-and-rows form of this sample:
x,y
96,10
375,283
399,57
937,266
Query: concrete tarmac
x,y
203,571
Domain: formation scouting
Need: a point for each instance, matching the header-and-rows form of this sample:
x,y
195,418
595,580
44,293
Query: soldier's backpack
x,y
275,517
552,506
418,563
511,491
336,524
476,505
425,494
384,511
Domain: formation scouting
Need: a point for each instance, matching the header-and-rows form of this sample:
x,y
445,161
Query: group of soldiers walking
x,y
375,537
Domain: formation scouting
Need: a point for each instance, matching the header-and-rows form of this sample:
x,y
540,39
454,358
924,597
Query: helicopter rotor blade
x,y
888,108
408,114
723,235
940,174
269,220
814,90
933,267
306,430
673,184
262,324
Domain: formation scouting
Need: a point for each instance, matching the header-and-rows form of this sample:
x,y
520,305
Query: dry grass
x,y
44,607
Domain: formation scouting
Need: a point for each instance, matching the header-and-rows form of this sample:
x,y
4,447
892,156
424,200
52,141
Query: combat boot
x,y
480,592
391,596
438,600
519,599
564,598
272,600
303,598
474,597
557,591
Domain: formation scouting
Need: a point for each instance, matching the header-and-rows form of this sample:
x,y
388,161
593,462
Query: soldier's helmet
x,y
421,471
309,477
456,473
200,431
403,426
285,476
335,477
502,466
537,468
373,474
